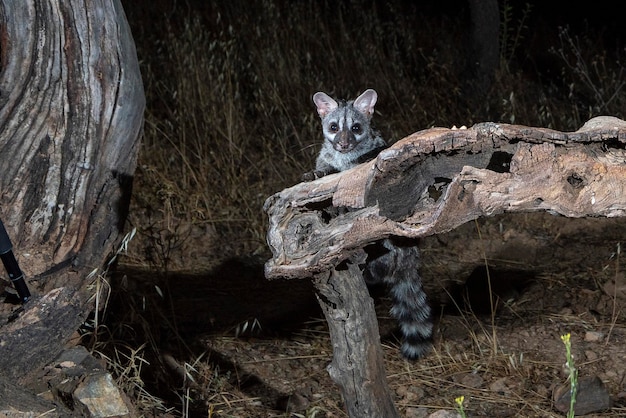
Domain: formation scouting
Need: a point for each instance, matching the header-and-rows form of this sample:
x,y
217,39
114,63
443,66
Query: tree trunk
x,y
71,115
357,365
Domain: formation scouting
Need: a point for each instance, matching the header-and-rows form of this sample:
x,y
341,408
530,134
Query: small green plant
x,y
572,373
459,406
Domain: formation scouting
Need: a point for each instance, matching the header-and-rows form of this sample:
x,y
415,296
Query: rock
x,y
591,355
416,412
80,382
591,396
500,386
444,414
472,380
411,394
594,336
100,397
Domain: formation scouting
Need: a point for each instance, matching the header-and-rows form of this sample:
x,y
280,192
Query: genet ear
x,y
366,101
325,104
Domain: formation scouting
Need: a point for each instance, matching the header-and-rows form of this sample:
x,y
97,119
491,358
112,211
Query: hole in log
x,y
436,189
576,180
613,144
500,162
327,212
318,206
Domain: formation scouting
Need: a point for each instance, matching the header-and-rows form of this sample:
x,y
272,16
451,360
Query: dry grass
x,y
230,122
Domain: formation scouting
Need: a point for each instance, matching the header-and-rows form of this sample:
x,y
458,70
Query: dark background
x,y
230,121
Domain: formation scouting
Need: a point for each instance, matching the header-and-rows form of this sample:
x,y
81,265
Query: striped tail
x,y
397,265
411,309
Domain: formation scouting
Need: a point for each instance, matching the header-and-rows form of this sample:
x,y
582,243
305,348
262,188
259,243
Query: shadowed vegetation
x,y
230,121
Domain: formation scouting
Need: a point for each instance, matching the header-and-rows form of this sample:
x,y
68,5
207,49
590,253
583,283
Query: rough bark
x,y
357,365
71,114
437,179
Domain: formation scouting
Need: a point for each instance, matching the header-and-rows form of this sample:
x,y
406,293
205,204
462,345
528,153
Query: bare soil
x,y
258,348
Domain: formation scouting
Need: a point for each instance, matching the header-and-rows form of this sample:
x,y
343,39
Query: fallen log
x,y
437,179
425,184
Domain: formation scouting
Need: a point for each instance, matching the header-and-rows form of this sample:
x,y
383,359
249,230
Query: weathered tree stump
x,y
432,182
70,119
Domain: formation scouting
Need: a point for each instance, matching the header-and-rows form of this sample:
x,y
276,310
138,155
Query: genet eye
x,y
333,127
356,128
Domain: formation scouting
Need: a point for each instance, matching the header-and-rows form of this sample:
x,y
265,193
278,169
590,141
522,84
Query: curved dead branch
x,y
437,179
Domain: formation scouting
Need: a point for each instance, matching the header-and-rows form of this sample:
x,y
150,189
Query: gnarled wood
x,y
71,112
428,183
357,365
438,179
